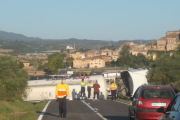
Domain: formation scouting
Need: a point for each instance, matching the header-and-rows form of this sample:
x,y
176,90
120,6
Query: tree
x,y
128,60
69,61
63,55
125,57
177,51
21,65
83,50
55,62
140,60
62,50
165,70
108,64
13,79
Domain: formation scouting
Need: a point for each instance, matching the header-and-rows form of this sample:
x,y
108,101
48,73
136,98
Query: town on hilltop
x,y
95,58
98,58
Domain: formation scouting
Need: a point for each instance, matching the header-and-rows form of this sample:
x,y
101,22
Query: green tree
x,y
83,50
55,62
69,61
62,50
177,51
125,57
108,64
63,55
140,60
13,79
128,60
165,70
21,65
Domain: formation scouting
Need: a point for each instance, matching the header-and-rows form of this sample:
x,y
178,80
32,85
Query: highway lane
x,y
89,110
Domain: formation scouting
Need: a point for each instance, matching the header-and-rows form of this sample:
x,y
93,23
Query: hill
x,y
14,36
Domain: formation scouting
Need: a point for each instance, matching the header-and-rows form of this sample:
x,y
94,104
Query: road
x,y
88,110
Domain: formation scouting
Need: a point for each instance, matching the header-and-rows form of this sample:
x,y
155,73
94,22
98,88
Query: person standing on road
x,y
96,87
83,84
89,89
113,89
61,92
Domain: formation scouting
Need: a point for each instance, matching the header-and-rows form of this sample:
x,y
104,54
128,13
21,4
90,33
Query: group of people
x,y
96,87
62,91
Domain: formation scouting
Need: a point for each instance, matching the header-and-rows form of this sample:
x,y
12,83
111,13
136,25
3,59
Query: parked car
x,y
172,112
147,99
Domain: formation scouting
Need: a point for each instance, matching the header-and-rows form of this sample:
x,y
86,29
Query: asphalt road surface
x,y
88,110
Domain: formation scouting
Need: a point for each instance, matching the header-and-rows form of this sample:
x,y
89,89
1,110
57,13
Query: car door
x,y
134,100
173,111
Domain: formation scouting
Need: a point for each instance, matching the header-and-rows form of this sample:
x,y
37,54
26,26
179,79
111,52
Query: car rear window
x,y
157,93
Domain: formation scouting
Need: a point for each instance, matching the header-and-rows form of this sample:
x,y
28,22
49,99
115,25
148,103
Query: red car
x,y
147,99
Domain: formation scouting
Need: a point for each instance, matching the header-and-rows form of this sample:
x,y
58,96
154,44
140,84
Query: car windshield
x,y
157,93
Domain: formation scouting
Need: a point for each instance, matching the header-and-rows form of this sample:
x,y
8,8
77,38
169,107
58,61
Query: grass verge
x,y
20,110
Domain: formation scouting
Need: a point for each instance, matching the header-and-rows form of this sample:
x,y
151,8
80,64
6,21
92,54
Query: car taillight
x,y
140,103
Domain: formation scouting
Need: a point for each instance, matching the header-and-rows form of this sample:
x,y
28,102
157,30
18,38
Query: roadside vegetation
x,y
20,110
13,85
165,70
124,100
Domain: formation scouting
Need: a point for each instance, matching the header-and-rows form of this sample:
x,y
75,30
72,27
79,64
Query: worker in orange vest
x,y
61,92
113,89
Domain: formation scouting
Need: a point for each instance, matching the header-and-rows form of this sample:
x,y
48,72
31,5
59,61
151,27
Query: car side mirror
x,y
161,110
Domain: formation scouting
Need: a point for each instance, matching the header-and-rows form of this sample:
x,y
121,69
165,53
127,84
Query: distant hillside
x,y
74,40
13,36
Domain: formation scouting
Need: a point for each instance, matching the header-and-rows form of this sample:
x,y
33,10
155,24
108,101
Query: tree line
x,y
126,59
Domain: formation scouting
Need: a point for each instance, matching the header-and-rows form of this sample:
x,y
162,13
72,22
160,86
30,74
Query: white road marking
x,y
94,110
43,111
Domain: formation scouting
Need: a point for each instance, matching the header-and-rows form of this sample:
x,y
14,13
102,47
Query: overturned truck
x,y
44,89
132,79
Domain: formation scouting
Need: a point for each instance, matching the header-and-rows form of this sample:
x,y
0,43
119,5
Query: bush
x,y
176,86
13,79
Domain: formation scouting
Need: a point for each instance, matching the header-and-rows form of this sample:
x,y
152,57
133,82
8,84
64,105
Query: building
x,y
105,57
97,63
77,63
94,62
161,44
152,56
91,53
69,48
106,52
84,64
167,43
127,43
26,64
78,55
114,57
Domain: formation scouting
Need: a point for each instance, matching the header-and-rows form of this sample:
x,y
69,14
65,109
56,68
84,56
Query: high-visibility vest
x,y
62,90
83,84
113,86
89,84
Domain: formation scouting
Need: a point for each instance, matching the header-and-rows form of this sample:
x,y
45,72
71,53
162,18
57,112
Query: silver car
x,y
172,112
